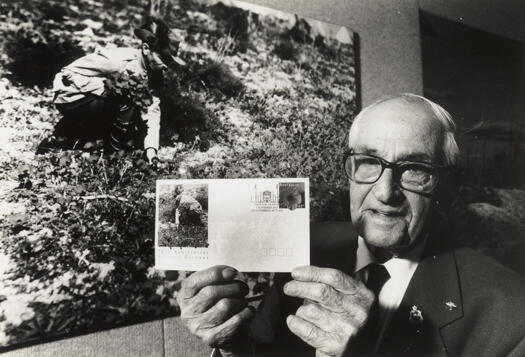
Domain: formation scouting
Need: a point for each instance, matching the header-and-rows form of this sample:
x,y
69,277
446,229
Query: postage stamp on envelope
x,y
291,195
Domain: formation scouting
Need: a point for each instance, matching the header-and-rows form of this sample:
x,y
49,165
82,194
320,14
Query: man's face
x,y
155,67
153,60
385,215
155,63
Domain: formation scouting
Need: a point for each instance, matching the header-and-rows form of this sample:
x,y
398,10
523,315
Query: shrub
x,y
219,77
51,47
285,50
301,31
38,43
128,87
236,24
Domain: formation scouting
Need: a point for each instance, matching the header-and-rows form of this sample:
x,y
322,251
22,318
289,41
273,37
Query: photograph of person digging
x,y
113,95
183,216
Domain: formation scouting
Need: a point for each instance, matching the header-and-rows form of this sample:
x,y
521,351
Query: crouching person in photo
x,y
112,95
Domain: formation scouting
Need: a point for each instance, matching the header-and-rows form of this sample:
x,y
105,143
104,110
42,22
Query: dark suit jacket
x,y
471,305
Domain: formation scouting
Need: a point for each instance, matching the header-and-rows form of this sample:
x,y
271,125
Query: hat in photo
x,y
156,33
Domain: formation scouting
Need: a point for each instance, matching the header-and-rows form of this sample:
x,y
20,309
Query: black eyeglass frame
x,y
394,166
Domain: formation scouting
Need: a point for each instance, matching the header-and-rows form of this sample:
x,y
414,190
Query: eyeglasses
x,y
419,177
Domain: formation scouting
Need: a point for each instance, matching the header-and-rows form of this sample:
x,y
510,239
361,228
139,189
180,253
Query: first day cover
x,y
250,224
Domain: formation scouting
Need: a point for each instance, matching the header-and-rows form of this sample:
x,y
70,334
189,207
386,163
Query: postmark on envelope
x,y
265,196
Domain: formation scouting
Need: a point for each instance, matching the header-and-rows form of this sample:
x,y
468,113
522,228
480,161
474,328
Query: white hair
x,y
450,152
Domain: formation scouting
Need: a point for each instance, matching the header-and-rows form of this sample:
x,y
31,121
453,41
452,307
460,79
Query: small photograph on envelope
x,y
291,195
183,215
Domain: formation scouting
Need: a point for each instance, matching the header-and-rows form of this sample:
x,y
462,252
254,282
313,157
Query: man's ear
x,y
145,47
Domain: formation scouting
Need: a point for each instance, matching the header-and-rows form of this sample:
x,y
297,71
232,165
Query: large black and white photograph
x,y
99,99
262,177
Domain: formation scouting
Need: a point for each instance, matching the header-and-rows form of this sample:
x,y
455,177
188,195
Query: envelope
x,y
253,225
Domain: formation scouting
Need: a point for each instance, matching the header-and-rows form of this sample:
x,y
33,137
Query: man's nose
x,y
386,189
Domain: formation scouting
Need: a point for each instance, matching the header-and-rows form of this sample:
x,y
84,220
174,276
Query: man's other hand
x,y
212,305
336,307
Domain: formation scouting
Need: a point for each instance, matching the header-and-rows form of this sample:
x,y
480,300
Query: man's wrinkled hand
x,y
212,305
336,308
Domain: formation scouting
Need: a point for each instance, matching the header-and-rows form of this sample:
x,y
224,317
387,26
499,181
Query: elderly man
x,y
405,290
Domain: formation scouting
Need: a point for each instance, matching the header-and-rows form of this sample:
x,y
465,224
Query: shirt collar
x,y
364,256
395,266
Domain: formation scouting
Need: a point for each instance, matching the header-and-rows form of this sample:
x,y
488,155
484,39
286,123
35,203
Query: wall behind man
x,y
389,41
473,54
505,18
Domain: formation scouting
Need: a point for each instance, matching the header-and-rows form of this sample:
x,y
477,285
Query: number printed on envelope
x,y
250,224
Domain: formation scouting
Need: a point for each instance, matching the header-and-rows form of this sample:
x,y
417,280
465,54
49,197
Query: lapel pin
x,y
451,305
415,316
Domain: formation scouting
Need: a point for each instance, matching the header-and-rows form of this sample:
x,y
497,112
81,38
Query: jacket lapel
x,y
432,301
